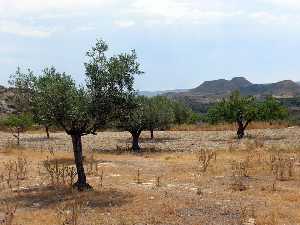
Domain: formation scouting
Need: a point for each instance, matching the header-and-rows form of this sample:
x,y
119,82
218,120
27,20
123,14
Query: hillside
x,y
6,101
209,92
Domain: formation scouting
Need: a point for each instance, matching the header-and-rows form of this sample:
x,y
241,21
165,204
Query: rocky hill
x,y
209,92
6,101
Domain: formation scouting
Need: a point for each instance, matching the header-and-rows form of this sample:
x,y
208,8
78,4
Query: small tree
x,y
18,124
82,110
133,119
271,110
158,114
23,84
183,114
244,110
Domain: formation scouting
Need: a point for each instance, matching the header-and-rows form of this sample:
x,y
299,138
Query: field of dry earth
x,y
200,177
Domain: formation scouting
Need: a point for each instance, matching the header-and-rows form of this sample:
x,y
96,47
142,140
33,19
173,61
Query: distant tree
x,y
183,114
23,87
133,119
243,110
159,114
83,110
271,110
23,84
18,124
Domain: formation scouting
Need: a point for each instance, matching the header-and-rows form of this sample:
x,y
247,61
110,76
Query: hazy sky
x,y
180,43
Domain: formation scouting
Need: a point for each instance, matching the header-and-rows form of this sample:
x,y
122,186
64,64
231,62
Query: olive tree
x,y
23,86
243,110
133,119
183,114
159,114
271,110
83,110
18,123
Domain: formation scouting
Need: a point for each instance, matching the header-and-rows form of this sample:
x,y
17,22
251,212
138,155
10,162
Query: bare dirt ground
x,y
201,177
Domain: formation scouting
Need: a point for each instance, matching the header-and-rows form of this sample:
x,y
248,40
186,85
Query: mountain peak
x,y
241,81
222,85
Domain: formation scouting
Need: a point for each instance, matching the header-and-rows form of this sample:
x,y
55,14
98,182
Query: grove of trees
x,y
108,97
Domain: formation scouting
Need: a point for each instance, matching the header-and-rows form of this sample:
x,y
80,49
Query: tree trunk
x,y
152,133
18,135
241,130
135,141
81,183
47,131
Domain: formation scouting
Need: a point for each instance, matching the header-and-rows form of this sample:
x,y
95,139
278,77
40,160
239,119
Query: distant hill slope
x,y
6,101
221,86
155,93
209,92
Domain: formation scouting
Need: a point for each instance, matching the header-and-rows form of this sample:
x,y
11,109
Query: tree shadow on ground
x,y
265,137
39,139
49,197
70,161
146,140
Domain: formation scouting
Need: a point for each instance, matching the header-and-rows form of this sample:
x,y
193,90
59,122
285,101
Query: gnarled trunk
x,y
241,131
47,131
81,183
242,128
135,141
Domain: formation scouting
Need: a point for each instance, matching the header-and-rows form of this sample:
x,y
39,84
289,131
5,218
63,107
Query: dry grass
x,y
238,185
229,126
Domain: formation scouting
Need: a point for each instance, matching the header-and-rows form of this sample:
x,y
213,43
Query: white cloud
x,y
267,18
287,4
127,13
87,27
124,23
10,7
12,27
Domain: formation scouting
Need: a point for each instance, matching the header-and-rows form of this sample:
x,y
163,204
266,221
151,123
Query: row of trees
x,y
107,98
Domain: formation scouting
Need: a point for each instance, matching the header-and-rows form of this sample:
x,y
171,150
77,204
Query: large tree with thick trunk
x,y
244,109
83,110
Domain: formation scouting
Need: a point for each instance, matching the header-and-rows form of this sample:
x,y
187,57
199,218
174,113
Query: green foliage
x,y
110,82
247,107
22,121
229,110
133,117
183,114
57,99
150,113
158,113
23,86
271,110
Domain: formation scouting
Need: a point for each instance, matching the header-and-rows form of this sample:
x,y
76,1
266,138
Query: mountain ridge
x,y
210,92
